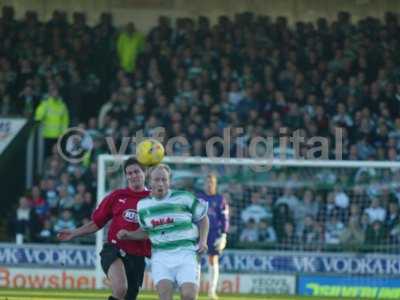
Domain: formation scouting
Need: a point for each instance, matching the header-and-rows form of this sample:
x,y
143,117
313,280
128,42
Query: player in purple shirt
x,y
218,214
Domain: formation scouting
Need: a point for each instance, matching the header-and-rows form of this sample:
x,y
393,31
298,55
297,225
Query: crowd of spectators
x,y
316,219
194,79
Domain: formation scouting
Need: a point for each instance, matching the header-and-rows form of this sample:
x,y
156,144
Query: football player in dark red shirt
x,y
123,261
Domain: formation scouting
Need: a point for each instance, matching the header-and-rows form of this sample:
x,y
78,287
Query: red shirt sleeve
x,y
103,213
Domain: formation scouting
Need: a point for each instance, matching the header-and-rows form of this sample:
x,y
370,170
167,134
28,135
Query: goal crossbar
x,y
316,163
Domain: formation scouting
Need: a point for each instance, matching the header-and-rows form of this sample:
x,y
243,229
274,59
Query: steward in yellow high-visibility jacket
x,y
129,44
53,114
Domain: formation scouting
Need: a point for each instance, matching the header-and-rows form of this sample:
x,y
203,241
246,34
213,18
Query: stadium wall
x,y
146,12
29,278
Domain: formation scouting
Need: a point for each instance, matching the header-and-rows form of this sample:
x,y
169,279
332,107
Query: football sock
x,y
214,274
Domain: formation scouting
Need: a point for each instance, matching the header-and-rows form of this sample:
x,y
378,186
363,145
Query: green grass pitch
x,y
53,294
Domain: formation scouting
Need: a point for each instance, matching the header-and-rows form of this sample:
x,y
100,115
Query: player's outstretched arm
x,y
203,226
67,235
138,234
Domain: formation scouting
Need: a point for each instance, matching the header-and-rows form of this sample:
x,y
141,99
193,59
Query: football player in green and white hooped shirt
x,y
177,224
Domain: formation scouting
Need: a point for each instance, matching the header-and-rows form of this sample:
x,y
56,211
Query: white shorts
x,y
177,266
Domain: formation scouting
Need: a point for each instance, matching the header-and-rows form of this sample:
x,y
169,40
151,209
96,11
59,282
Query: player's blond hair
x,y
212,175
162,167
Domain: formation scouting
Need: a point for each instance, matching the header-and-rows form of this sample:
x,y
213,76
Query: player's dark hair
x,y
132,161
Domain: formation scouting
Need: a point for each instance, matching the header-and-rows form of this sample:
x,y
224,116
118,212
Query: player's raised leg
x,y
119,283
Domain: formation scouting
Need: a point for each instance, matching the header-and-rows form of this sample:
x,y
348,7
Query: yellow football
x,y
150,152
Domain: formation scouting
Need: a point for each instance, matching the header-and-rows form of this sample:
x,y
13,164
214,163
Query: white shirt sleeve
x,y
199,209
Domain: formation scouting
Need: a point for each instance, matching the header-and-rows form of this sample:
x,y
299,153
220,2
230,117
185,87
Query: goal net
x,y
312,218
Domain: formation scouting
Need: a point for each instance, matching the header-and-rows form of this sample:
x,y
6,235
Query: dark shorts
x,y
134,267
210,244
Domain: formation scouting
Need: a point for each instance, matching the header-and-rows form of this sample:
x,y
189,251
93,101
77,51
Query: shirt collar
x,y
165,197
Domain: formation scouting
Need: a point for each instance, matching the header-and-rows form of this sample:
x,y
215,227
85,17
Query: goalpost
x,y
323,199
